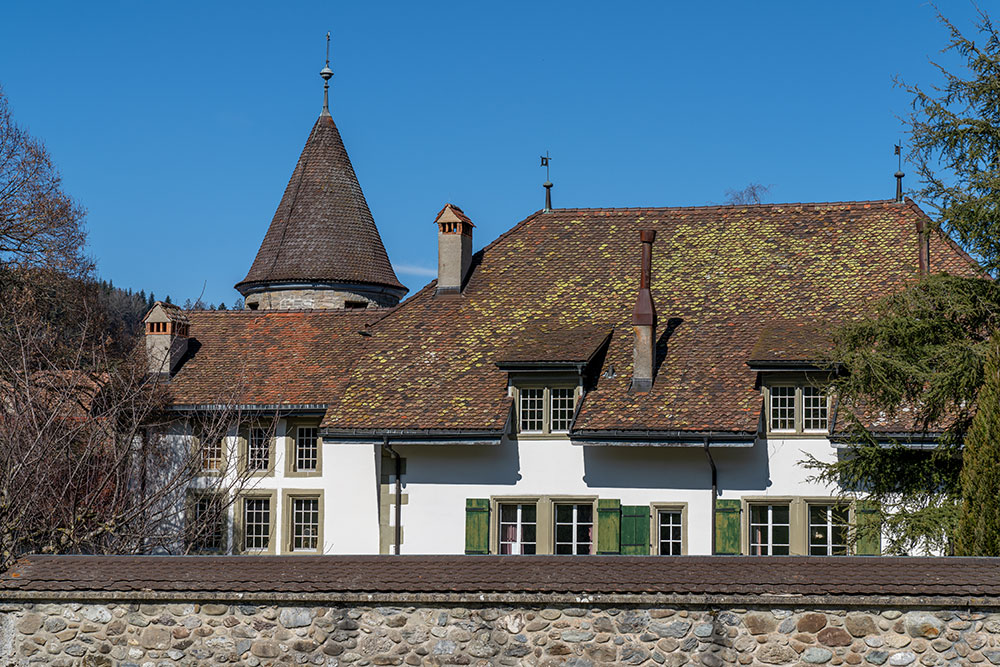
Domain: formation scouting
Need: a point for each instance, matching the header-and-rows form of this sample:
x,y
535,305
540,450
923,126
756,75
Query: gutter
x,y
715,489
650,438
411,436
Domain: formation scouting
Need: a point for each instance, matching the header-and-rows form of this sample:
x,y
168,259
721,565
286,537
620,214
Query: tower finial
x,y
899,173
326,73
547,184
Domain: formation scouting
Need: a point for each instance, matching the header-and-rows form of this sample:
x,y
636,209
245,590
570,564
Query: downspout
x,y
399,491
715,488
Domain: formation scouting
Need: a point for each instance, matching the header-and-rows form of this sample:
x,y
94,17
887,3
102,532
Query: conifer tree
x,y
978,531
921,354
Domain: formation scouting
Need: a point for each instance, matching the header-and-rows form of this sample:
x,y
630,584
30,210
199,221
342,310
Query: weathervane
x,y
899,172
547,184
326,73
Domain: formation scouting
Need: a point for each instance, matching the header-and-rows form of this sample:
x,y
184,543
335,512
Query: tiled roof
x,y
269,357
781,576
721,274
558,345
792,341
731,284
323,230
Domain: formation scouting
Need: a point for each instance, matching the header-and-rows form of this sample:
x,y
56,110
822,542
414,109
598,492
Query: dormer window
x,y
546,409
797,408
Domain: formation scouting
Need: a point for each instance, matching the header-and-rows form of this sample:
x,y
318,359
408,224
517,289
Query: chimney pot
x,y
166,337
454,249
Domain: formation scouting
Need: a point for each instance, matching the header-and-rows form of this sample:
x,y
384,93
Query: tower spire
x,y
326,73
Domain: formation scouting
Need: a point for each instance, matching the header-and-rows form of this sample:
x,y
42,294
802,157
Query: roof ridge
x,y
857,202
275,311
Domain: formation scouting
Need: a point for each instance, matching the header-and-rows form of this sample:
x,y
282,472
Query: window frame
x,y
575,523
288,498
197,440
798,517
195,495
770,524
545,526
654,526
799,383
292,426
244,450
848,526
239,542
546,385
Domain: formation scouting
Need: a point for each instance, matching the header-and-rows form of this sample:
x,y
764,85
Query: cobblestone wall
x,y
155,635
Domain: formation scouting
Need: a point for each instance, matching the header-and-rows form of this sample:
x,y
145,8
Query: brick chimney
x,y
166,337
644,321
454,249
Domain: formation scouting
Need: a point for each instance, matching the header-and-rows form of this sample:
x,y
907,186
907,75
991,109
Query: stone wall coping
x,y
816,602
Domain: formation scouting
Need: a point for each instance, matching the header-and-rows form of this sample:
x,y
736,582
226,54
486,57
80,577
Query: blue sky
x,y
177,125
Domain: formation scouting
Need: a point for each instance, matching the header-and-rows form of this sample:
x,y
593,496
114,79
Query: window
x,y
828,530
546,409
306,449
532,410
518,528
207,527
257,524
574,529
782,408
563,403
258,450
355,305
211,455
770,530
797,409
814,406
305,524
669,524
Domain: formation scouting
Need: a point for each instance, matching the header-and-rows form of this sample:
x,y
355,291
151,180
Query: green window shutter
x,y
727,526
635,530
869,524
477,525
609,521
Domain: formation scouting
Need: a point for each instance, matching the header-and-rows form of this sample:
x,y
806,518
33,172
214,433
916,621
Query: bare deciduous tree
x,y
91,458
753,193
39,223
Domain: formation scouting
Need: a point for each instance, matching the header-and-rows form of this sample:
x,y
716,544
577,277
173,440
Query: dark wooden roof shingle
x,y
323,230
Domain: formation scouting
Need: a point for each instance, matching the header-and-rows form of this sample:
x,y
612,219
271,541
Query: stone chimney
x,y
454,249
166,337
644,321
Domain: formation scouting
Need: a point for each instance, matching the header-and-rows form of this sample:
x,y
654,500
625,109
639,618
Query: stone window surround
x,y
798,518
654,525
196,452
547,383
193,495
243,444
797,380
287,496
545,518
292,424
238,536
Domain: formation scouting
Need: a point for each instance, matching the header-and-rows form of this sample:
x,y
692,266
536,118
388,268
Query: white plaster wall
x,y
439,479
349,484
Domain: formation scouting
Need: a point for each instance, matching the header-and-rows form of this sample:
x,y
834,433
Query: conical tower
x,y
322,249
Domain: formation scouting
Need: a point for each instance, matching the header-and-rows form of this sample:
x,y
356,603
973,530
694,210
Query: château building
x,y
592,381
